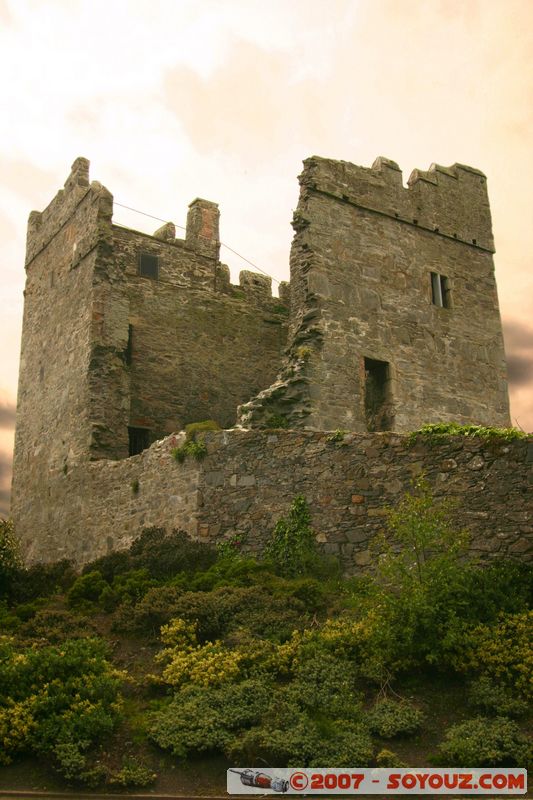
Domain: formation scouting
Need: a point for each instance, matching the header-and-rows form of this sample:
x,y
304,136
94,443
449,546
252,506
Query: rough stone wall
x,y
361,264
199,346
249,479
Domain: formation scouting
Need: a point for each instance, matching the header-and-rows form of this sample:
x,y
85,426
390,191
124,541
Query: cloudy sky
x,y
174,99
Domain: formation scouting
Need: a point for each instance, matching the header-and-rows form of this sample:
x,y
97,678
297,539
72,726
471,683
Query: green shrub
x,y
226,609
10,557
336,437
230,548
110,565
26,611
419,572
133,774
292,547
86,588
490,697
391,718
388,759
326,683
229,572
43,580
165,555
276,421
57,702
56,625
310,591
194,444
132,586
485,742
8,619
296,739
501,651
157,608
194,428
205,720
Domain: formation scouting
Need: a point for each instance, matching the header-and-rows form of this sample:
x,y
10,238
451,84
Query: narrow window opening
x,y
377,395
440,291
129,346
139,440
148,265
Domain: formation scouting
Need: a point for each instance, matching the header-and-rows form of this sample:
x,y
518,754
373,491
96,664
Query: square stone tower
x,y
395,319
127,337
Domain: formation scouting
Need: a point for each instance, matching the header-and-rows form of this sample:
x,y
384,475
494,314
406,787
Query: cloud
x,y
25,178
7,414
5,16
518,336
520,369
247,105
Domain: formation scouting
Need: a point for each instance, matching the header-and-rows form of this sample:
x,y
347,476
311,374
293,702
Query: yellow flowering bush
x,y
16,727
503,652
57,702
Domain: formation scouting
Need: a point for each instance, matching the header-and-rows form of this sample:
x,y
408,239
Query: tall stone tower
x,y
126,338
395,319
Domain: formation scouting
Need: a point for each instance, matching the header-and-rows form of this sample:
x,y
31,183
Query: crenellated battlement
x,y
449,201
79,203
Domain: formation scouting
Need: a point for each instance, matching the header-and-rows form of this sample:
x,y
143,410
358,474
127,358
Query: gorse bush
x,y
501,652
58,702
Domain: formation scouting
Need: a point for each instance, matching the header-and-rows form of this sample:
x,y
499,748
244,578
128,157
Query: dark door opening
x,y
377,395
139,439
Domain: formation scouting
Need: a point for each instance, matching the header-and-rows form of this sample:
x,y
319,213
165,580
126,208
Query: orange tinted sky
x,y
173,99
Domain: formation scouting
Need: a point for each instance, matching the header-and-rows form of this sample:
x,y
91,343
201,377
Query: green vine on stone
x,y
439,431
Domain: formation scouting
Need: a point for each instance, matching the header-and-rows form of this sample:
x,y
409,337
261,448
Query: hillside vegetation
x,y
175,653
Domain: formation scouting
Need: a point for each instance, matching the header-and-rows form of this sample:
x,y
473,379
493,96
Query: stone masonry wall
x,y
199,345
54,427
249,479
361,264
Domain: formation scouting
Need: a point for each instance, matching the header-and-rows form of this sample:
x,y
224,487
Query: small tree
x,y
422,544
292,547
418,592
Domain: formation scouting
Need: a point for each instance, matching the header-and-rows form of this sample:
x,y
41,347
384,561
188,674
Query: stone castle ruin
x,y
390,320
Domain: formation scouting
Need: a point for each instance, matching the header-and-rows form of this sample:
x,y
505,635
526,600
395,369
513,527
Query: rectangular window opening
x,y
139,440
440,291
378,410
148,265
129,346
